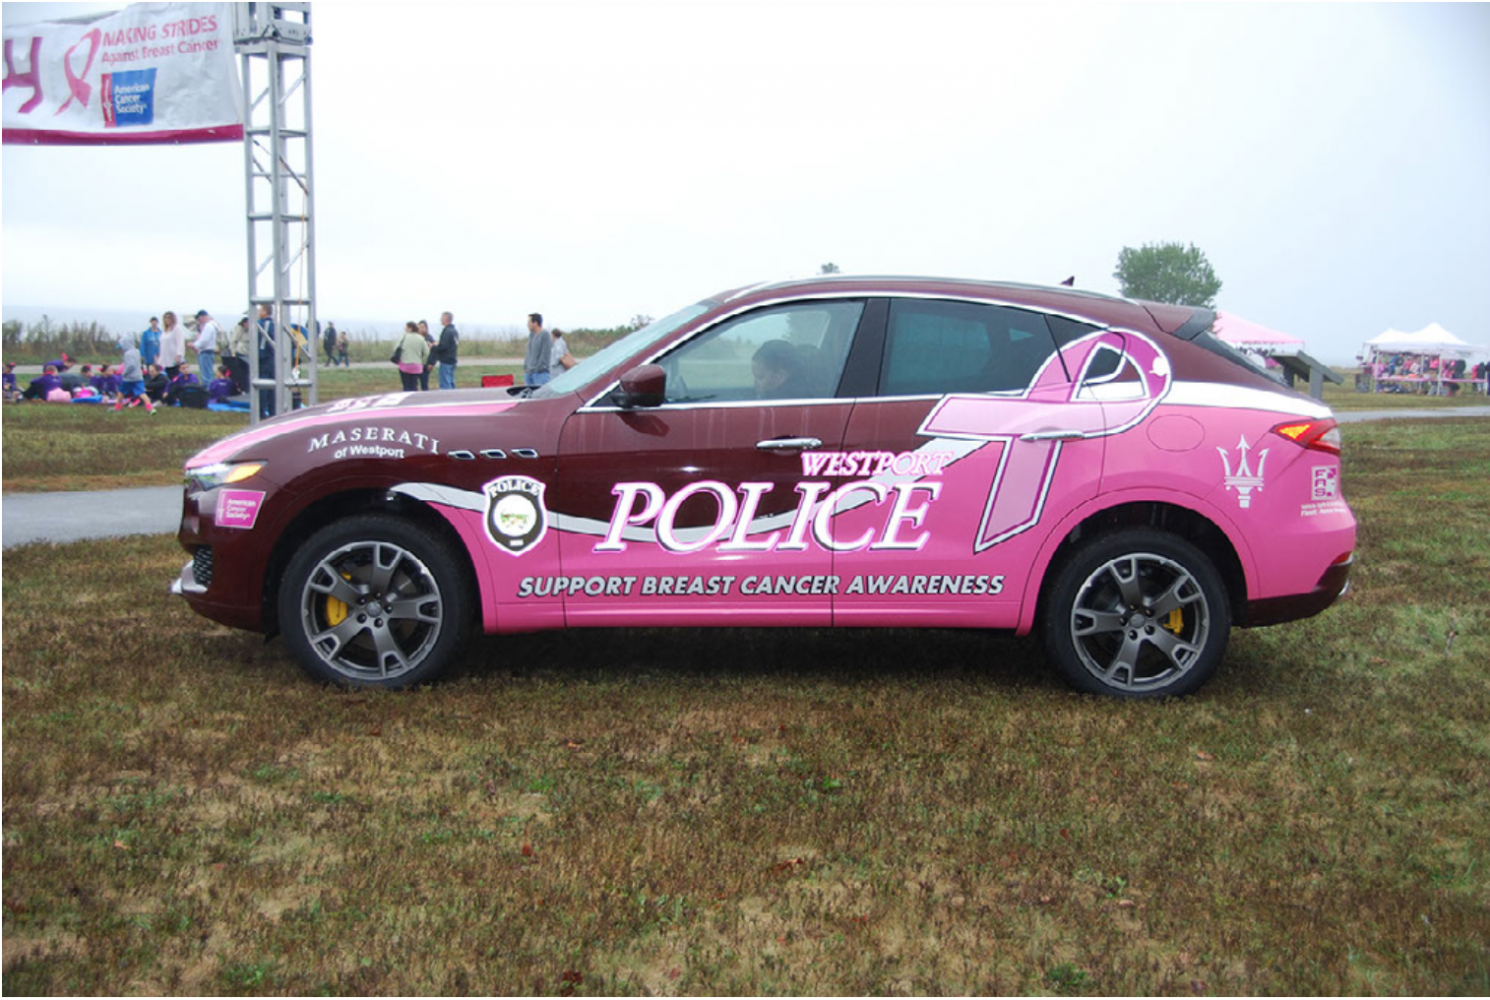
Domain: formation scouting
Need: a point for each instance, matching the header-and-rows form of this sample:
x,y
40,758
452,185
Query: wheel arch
x,y
347,503
1207,531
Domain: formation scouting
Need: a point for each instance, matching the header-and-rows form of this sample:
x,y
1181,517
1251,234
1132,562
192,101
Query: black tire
x,y
1138,613
335,613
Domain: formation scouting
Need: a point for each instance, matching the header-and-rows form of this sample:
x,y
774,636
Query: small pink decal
x,y
238,508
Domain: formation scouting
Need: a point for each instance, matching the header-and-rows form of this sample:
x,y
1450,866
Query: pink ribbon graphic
x,y
79,87
1053,409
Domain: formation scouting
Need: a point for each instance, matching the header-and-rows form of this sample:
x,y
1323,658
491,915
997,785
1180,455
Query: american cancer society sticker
x,y
515,517
238,508
128,98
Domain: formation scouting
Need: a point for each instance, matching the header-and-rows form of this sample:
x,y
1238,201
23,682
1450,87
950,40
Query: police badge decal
x,y
515,517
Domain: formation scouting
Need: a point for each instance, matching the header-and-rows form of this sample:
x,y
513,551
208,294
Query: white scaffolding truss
x,y
273,42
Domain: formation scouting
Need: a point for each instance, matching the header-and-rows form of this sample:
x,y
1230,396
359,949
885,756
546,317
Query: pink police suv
x,y
840,451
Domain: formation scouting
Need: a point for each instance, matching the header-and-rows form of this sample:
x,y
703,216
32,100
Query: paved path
x,y
72,517
1357,416
156,510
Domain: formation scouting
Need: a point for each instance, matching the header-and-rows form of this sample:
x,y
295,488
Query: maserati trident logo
x,y
1243,479
515,516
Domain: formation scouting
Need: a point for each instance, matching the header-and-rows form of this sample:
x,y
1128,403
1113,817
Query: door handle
x,y
1067,435
789,444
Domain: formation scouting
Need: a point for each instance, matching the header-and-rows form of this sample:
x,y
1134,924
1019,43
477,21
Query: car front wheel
x,y
373,601
1137,614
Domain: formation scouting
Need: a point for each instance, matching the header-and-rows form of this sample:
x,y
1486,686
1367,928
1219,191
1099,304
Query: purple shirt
x,y
220,389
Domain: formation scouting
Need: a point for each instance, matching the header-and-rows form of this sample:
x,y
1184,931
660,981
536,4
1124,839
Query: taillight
x,y
1320,435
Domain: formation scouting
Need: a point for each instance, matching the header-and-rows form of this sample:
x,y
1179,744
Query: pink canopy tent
x,y
1244,333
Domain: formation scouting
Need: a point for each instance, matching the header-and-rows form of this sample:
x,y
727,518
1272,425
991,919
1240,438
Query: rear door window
x,y
934,347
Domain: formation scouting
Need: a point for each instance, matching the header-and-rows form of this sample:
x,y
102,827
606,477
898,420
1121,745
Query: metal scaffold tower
x,y
273,41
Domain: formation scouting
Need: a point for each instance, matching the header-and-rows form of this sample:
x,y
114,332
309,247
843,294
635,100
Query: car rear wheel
x,y
373,602
1137,614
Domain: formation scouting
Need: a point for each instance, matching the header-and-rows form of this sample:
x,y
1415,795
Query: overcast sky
x,y
595,161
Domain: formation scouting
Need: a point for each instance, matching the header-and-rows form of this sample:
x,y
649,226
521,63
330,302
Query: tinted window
x,y
934,347
786,352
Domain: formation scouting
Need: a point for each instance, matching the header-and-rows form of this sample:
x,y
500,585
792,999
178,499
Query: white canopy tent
x,y
1432,340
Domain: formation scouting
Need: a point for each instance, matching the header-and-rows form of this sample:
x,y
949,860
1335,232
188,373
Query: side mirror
x,y
644,385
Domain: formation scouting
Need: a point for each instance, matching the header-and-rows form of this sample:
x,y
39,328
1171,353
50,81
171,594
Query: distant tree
x,y
828,268
639,320
1167,272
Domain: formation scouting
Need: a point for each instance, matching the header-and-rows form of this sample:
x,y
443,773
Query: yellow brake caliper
x,y
1176,621
336,609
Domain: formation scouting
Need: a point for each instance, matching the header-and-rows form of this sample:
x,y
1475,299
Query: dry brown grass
x,y
752,811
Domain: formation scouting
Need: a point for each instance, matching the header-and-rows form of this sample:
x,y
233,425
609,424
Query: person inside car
x,y
778,371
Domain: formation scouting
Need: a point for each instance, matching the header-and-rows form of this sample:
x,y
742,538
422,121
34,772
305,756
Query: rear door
x,y
974,433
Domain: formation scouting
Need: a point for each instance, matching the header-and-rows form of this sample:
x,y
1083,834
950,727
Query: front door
x,y
701,510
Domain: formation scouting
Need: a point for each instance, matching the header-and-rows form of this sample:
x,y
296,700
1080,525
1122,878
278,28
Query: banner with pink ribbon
x,y
151,73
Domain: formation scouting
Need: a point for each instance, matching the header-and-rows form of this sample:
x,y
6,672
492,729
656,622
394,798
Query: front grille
x,y
201,566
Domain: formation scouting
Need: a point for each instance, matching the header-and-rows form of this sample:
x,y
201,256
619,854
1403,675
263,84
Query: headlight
x,y
210,477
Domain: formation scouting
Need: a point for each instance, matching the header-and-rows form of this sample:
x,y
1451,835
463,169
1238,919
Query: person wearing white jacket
x,y
172,344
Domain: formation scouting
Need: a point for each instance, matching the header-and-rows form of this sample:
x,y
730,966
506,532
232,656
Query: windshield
x,y
607,358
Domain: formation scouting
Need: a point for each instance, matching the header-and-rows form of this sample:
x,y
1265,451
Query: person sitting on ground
x,y
155,382
106,381
85,388
12,391
132,380
71,380
220,388
174,388
42,385
777,370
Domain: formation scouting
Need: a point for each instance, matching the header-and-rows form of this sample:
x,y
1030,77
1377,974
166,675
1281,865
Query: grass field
x,y
49,447
753,811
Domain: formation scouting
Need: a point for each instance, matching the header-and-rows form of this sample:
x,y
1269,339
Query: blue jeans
x,y
208,362
447,376
535,379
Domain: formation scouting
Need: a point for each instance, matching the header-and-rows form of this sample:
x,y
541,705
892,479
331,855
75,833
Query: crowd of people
x,y
1427,374
418,352
153,369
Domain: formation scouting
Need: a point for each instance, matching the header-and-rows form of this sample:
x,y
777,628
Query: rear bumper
x,y
1292,607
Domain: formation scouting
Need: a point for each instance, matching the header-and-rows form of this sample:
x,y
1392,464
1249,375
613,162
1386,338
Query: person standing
x,y
560,360
266,360
150,343
447,350
540,349
429,339
328,341
341,349
206,344
172,345
413,352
